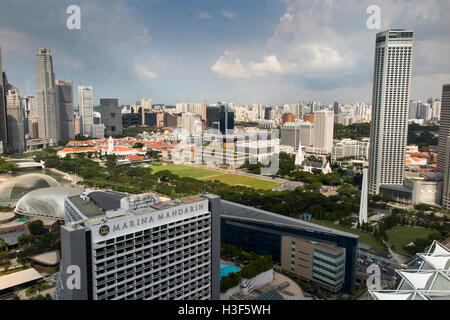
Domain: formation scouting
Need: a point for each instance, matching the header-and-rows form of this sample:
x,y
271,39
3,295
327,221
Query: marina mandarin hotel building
x,y
139,247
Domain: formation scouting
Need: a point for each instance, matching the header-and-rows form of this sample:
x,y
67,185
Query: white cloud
x,y
143,71
228,14
204,15
231,67
326,45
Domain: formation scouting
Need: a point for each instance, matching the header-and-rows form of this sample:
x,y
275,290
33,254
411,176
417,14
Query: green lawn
x,y
211,175
363,236
400,236
234,180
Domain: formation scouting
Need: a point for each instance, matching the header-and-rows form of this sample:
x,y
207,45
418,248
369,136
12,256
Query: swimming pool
x,y
226,269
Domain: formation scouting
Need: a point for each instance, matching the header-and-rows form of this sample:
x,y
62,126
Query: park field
x,y
363,236
238,180
400,236
211,175
186,171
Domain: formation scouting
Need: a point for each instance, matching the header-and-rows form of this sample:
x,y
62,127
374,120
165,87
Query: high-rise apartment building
x,y
86,110
66,112
3,130
324,130
138,247
15,122
46,97
444,128
389,126
111,116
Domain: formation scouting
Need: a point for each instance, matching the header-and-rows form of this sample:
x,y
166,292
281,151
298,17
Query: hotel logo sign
x,y
120,227
104,230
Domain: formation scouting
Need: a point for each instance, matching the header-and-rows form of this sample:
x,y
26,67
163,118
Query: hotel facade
x,y
138,247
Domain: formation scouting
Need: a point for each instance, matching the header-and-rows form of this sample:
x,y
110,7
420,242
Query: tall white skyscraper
x,y
444,128
443,163
389,126
85,110
323,130
46,97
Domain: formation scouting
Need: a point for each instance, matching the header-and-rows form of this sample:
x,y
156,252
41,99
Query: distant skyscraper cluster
x,y
28,122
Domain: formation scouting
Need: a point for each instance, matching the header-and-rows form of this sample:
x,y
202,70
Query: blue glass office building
x,y
261,231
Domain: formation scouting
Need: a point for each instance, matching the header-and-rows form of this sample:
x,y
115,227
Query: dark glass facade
x,y
265,239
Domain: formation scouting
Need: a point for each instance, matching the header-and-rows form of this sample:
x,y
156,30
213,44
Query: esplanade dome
x,y
17,187
46,202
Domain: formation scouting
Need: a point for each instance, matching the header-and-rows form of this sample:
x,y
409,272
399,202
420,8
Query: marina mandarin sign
x,y
153,219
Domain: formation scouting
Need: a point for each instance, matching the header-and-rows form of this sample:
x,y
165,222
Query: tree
x,y
7,166
3,245
36,227
25,239
138,145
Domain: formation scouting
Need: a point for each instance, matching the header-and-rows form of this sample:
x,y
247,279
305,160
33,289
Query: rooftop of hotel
x,y
102,201
238,211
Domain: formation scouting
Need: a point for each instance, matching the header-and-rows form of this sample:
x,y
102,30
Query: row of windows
x,y
199,289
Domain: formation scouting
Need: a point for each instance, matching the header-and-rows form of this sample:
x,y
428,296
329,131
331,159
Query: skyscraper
x,y
444,128
85,110
323,130
47,101
446,188
226,115
111,116
15,121
3,131
65,101
443,162
389,126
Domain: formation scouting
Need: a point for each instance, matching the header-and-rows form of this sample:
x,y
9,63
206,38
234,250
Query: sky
x,y
243,51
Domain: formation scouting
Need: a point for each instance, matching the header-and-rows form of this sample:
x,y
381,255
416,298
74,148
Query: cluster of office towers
x,y
48,117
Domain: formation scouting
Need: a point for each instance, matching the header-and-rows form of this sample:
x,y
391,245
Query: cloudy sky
x,y
245,51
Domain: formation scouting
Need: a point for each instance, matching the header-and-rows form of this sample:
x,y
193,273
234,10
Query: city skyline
x,y
207,56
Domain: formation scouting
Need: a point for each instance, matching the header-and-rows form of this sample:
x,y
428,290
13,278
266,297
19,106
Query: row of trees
x,y
36,241
7,166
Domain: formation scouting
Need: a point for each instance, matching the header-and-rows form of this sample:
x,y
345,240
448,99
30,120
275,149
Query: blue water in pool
x,y
226,269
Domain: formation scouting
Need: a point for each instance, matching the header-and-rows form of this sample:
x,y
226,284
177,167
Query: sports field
x,y
238,180
211,175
